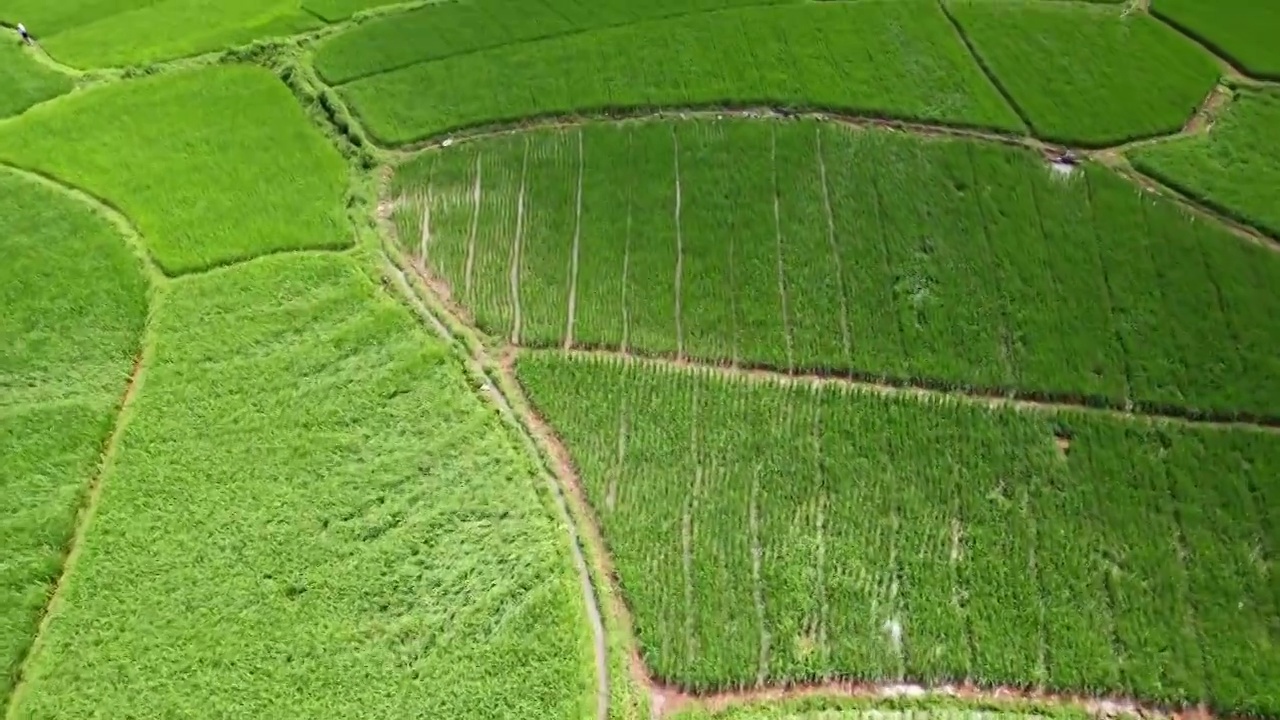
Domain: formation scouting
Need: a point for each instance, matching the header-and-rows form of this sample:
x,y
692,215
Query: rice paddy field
x,y
689,359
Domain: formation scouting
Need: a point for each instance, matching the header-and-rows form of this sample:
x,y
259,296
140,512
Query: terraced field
x,y
736,359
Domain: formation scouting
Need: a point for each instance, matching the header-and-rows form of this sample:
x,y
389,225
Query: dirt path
x,y
84,518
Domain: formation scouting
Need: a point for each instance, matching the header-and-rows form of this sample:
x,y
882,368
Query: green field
x,y
786,55
24,82
660,360
1242,31
1235,168
948,263
205,186
446,29
74,301
1088,74
286,532
769,534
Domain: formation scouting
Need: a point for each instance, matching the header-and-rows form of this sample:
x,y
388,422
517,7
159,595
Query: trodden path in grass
x,y
83,519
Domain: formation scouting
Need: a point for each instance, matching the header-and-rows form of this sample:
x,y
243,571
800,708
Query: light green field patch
x,y
213,165
25,82
311,514
1234,169
176,28
74,302
1088,75
898,58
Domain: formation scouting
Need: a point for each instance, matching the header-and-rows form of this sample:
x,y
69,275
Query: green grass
x,y
951,263
311,514
213,165
24,81
777,533
908,63
1235,169
74,302
1087,75
173,29
1242,31
44,19
455,28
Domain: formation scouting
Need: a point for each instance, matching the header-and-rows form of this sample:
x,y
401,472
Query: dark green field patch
x,y
895,58
1243,31
1087,75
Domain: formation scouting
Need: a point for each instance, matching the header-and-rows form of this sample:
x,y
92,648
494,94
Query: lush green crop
x,y
214,165
455,28
812,246
1243,31
44,19
1234,169
311,514
819,707
893,58
767,533
173,28
1088,75
25,82
74,302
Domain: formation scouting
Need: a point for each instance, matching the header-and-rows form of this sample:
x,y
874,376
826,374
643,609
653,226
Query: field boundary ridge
x,y
924,389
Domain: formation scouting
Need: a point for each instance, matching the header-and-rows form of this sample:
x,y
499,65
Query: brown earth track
x,y
84,517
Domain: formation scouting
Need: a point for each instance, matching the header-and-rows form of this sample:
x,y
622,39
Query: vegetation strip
x,y
920,392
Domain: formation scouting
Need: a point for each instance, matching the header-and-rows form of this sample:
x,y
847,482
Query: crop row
x,y
1235,168
817,247
74,304
310,514
769,534
883,57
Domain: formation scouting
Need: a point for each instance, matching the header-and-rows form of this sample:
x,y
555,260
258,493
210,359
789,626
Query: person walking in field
x,y
22,31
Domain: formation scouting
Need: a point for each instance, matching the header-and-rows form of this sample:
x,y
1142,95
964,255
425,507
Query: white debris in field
x,y
1061,168
447,142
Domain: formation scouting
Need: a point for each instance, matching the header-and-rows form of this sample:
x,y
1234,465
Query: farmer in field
x,y
22,31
